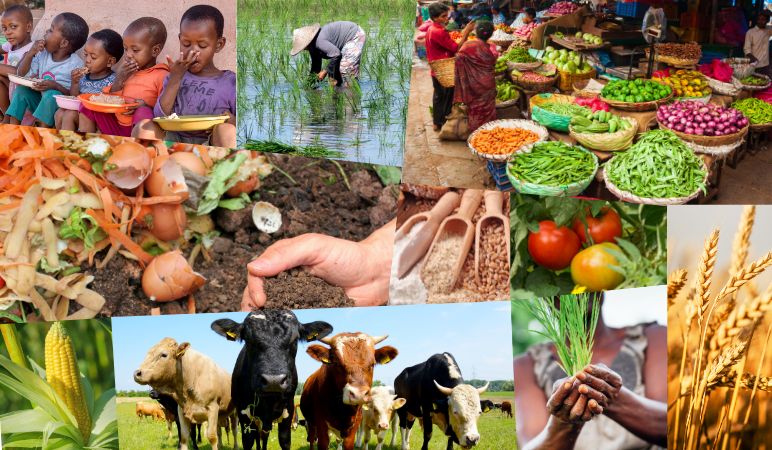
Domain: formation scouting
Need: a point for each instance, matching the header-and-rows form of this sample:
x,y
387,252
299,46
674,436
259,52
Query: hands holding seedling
x,y
362,269
589,393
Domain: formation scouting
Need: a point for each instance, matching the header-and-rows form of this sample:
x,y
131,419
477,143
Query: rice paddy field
x,y
364,122
496,429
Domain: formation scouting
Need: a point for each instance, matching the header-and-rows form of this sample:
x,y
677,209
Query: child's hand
x,y
127,69
130,109
38,47
178,68
45,85
78,73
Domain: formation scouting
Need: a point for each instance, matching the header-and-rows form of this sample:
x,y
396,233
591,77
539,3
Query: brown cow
x,y
333,396
506,408
200,387
149,409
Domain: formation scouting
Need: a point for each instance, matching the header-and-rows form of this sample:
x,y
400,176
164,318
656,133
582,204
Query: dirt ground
x,y
315,200
751,182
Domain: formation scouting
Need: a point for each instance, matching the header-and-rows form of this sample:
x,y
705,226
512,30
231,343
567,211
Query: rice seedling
x,y
718,338
570,325
278,101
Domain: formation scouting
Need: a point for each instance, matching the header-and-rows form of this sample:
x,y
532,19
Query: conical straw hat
x,y
301,37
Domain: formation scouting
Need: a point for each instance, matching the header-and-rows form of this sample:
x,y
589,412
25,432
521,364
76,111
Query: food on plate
x,y
108,99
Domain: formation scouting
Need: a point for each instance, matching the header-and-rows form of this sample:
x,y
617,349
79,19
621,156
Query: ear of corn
x,y
63,375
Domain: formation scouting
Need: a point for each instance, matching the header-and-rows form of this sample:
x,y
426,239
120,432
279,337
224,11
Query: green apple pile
x,y
566,61
589,38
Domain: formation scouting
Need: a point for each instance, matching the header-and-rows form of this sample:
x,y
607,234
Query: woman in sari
x,y
475,83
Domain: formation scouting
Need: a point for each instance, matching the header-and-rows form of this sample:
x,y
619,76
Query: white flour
x,y
410,289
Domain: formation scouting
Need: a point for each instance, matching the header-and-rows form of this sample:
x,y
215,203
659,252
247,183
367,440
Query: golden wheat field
x,y
719,329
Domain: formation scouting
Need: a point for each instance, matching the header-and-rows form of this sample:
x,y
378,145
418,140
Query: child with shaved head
x,y
139,76
17,28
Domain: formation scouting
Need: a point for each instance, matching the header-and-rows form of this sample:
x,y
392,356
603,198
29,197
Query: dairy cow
x,y
436,394
265,377
333,396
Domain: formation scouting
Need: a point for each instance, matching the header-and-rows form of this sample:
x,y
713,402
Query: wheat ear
x,y
675,282
742,240
704,274
745,316
745,275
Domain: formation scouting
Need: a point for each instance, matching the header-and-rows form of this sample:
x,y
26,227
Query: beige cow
x,y
148,409
200,387
378,415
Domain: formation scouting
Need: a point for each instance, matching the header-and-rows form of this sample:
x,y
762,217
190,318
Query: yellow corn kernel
x,y
63,375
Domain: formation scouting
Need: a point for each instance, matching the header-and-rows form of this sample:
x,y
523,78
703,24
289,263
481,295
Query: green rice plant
x,y
570,325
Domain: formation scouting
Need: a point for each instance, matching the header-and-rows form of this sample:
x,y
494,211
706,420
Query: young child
x,y
102,51
52,60
17,29
139,77
195,86
497,16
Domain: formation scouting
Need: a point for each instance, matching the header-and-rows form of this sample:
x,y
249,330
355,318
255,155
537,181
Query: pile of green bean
x,y
659,165
553,164
565,109
757,111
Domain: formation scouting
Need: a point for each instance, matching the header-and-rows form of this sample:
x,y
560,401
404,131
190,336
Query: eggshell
x,y
132,165
168,221
169,277
190,161
267,218
166,178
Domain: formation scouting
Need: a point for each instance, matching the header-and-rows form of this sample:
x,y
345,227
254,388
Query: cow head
x,y
271,343
463,411
351,358
160,365
383,404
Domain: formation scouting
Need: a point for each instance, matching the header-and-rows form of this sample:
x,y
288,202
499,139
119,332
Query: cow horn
x,y
378,339
482,389
443,389
327,340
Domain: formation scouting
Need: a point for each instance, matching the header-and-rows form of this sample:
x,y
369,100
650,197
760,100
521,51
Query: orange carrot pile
x,y
502,141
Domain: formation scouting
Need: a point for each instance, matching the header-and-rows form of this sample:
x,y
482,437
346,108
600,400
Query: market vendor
x,y
475,82
439,45
628,370
528,15
757,43
340,42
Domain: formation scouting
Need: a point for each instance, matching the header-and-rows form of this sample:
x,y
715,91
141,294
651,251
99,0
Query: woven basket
x,y
608,142
757,128
503,44
709,141
632,198
507,104
680,63
580,91
749,87
549,119
507,123
524,66
567,80
705,99
568,190
720,151
533,86
638,107
719,87
445,71
740,66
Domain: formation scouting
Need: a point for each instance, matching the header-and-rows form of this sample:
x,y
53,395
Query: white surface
x,y
633,306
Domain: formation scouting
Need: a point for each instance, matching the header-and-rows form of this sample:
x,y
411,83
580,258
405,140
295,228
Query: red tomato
x,y
553,247
605,228
590,268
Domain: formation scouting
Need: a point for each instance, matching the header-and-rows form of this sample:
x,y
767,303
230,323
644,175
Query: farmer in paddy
x,y
624,392
340,42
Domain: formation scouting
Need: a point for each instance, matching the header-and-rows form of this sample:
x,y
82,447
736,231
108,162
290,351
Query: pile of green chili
x,y
553,164
659,165
757,111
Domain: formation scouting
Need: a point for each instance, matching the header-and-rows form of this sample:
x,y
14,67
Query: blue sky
x,y
477,334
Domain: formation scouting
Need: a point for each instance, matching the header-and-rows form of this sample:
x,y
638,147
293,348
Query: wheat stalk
x,y
745,275
704,274
675,281
724,361
747,381
742,240
744,317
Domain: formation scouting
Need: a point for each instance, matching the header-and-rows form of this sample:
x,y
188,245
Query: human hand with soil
x,y
362,269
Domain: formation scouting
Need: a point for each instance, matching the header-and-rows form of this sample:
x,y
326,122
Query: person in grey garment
x,y
339,42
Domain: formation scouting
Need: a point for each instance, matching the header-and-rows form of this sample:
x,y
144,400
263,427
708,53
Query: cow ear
x,y
398,403
181,349
227,328
385,354
314,330
319,353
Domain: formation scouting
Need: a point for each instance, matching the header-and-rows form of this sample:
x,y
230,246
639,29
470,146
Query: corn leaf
x,y
26,421
104,412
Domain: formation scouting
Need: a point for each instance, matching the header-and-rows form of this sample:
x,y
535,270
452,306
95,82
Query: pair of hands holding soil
x,y
589,393
362,269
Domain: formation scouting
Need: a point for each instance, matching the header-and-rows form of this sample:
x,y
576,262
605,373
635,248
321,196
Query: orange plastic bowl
x,y
107,107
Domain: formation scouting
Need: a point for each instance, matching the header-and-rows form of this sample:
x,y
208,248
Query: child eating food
x,y
195,86
102,51
139,78
17,29
51,61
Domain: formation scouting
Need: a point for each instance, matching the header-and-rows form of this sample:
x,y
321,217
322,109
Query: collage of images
x,y
347,224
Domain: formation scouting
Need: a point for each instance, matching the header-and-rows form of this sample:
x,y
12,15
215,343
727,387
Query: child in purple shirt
x,y
195,86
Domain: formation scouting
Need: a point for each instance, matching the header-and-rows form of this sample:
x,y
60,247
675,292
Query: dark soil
x,y
316,200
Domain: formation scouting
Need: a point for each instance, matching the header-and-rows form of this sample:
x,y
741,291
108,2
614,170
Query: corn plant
x,y
65,414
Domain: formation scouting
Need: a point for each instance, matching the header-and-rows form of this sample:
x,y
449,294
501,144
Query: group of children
x,y
119,65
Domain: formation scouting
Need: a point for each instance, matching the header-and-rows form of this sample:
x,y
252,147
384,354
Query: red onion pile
x,y
562,8
701,119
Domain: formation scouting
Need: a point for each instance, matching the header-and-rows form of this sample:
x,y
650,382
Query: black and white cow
x,y
265,378
436,393
486,405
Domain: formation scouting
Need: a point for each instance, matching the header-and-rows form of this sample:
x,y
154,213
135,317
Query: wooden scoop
x,y
494,202
417,247
460,224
